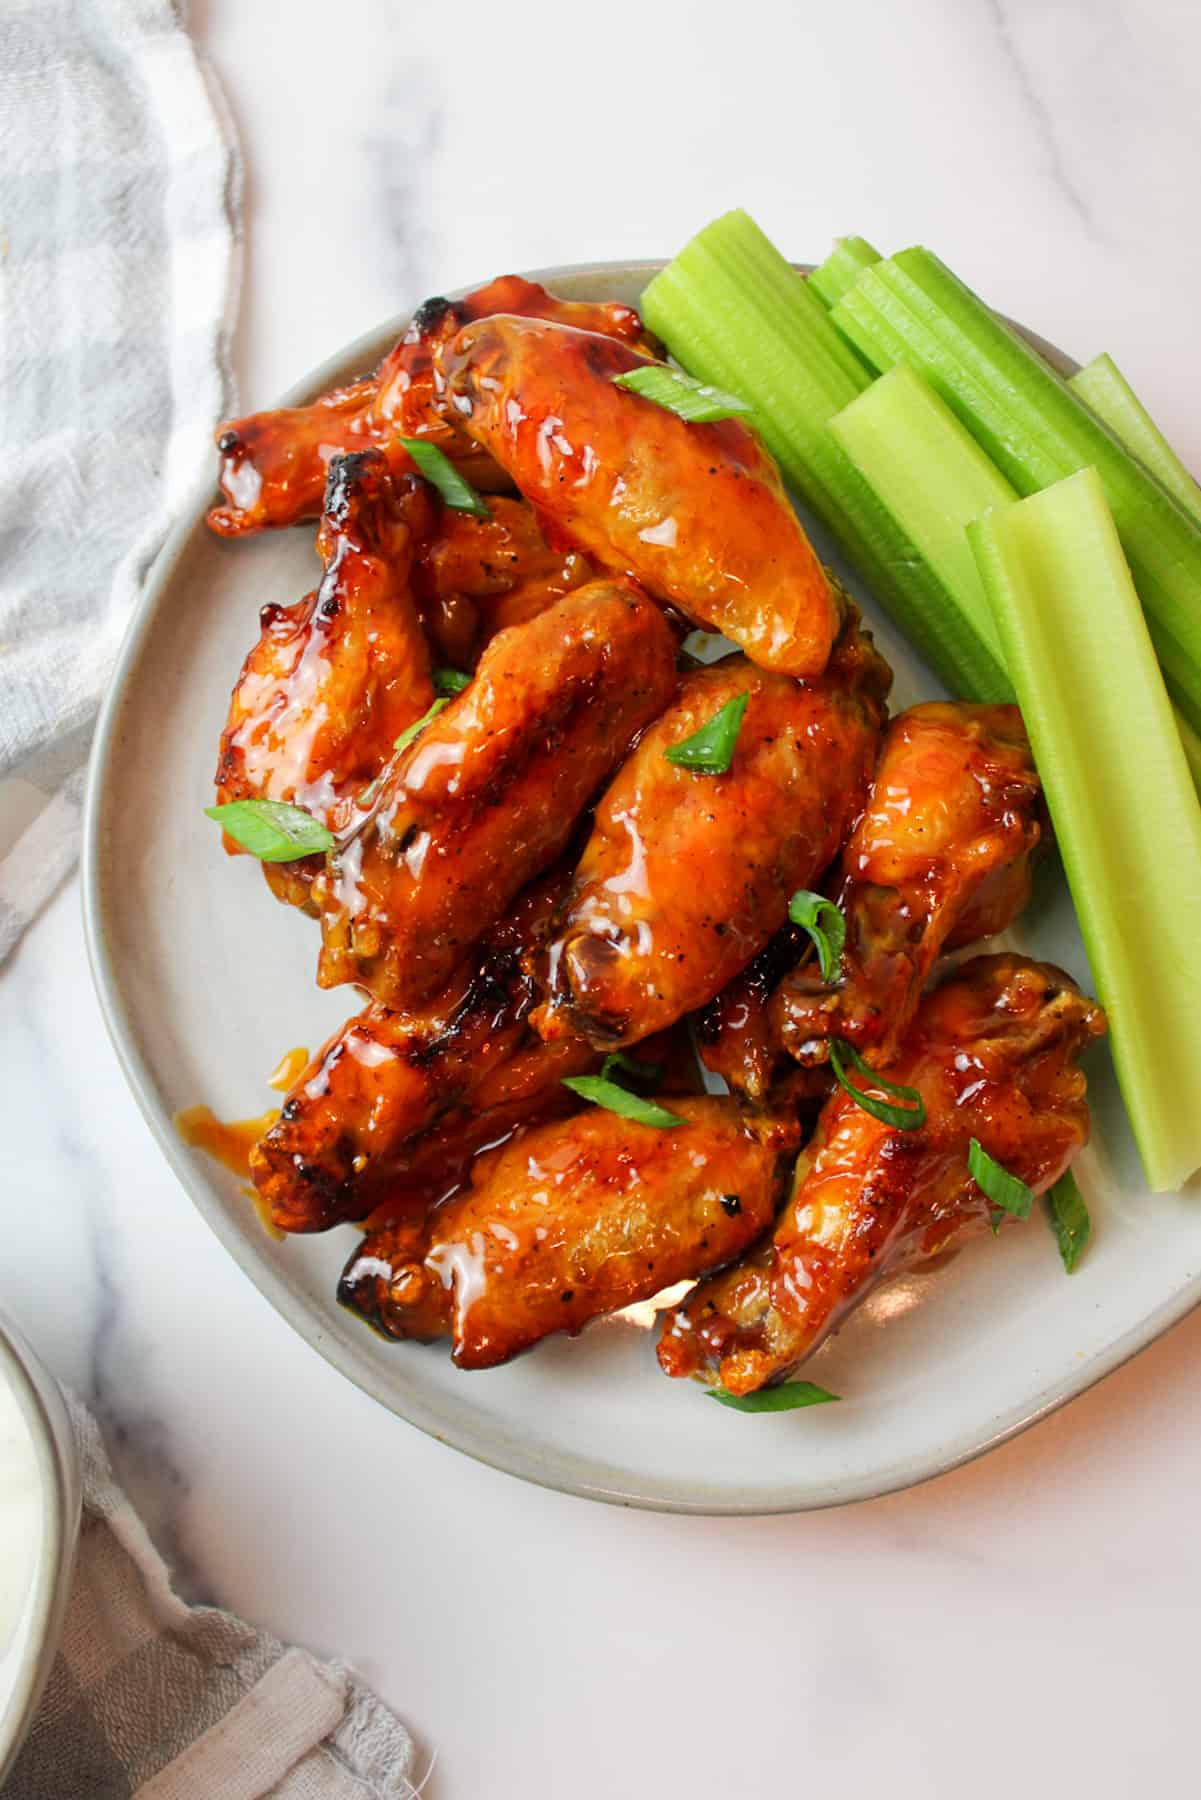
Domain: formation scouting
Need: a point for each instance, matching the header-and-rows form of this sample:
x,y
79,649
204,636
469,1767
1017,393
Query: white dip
x,y
20,1536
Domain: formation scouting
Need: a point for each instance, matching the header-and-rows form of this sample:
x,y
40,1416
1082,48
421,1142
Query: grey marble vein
x,y
1040,114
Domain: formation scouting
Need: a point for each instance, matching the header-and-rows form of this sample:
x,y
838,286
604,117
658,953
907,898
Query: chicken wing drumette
x,y
573,1219
695,512
487,796
273,463
993,1054
686,875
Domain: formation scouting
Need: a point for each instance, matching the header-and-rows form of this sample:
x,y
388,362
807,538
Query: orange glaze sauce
x,y
230,1141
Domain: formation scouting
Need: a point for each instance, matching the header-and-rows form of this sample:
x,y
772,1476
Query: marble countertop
x,y
1027,1622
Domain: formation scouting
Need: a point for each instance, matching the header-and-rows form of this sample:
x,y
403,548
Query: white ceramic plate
x,y
205,980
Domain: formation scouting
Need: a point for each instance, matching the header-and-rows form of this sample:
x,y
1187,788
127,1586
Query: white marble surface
x,y
1026,1623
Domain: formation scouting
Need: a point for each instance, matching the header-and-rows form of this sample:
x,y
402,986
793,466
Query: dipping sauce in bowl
x,y
22,1536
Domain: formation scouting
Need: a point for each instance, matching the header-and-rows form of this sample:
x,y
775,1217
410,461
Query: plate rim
x,y
504,1454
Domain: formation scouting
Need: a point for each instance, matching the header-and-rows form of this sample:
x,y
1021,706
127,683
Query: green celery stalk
x,y
1126,815
934,479
842,268
734,313
1106,392
912,308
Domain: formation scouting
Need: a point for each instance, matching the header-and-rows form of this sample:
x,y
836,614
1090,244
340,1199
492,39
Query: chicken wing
x,y
273,464
942,856
733,1033
695,512
571,1220
686,875
993,1054
488,794
333,679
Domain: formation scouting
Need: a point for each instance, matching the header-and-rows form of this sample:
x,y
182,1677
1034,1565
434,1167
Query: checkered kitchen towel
x,y
118,199
153,1698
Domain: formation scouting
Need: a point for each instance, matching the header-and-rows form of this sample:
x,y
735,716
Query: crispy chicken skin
x,y
334,679
941,857
362,1119
488,794
733,1032
572,1219
993,1053
686,875
273,463
694,512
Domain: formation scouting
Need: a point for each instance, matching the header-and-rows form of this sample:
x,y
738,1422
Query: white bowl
x,y
36,1642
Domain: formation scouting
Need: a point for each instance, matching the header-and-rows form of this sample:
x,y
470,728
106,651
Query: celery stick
x,y
934,479
912,308
1106,392
1126,815
842,268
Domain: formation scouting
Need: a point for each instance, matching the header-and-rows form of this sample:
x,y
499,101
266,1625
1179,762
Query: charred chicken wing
x,y
686,875
694,512
571,1220
993,1053
487,795
942,856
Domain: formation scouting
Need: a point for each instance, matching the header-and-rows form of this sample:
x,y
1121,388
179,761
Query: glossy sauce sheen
x,y
687,875
489,793
572,1220
694,512
993,1053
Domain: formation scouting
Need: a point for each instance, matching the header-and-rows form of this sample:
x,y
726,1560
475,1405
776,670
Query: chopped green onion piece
x,y
1007,1193
418,726
1068,1218
1125,811
910,1117
449,682
630,1065
272,830
695,401
1106,392
711,749
441,473
615,1098
785,1398
842,268
808,910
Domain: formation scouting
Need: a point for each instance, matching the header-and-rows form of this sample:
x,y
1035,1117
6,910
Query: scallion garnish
x,y
441,473
785,1398
1007,1193
826,926
710,750
271,829
418,726
695,401
909,1117
617,1099
450,681
1068,1218
630,1065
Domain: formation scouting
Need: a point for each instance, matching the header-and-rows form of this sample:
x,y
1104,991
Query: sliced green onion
x,y
418,726
808,910
441,473
1007,1193
785,1398
910,1117
630,1065
449,682
842,268
1106,392
1068,1218
617,1099
711,749
272,830
696,401
1125,811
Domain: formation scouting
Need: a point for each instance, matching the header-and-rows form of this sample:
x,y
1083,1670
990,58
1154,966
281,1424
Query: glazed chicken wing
x,y
273,464
571,1220
686,875
942,856
694,512
488,794
993,1053
334,679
